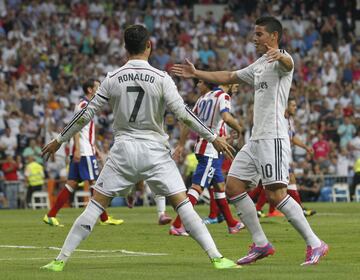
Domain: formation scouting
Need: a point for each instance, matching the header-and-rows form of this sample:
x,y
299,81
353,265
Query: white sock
x,y
293,212
81,228
196,228
160,204
246,211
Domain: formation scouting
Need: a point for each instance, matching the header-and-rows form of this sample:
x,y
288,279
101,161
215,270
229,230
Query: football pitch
x,y
141,249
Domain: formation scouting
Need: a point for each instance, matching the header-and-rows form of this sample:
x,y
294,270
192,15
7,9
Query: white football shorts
x,y
266,159
131,161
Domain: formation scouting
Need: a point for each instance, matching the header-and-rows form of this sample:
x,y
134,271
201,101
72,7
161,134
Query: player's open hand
x,y
186,70
224,147
50,149
272,54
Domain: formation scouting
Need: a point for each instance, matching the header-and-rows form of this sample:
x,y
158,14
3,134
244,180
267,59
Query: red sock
x,y
255,192
271,208
295,195
193,196
104,216
214,209
61,199
261,200
225,209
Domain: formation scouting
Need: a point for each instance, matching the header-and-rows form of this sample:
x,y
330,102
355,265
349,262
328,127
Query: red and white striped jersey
x,y
209,108
292,130
87,134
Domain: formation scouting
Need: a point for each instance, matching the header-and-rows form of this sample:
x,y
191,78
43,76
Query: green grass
x,y
338,224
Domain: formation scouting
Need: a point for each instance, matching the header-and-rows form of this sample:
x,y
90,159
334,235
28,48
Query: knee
x,y
234,187
197,188
275,197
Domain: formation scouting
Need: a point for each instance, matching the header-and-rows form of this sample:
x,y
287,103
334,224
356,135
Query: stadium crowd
x,y
49,48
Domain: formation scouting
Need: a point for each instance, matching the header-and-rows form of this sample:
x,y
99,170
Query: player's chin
x,y
260,49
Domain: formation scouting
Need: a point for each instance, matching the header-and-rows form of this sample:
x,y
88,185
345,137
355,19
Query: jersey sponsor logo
x,y
136,77
261,85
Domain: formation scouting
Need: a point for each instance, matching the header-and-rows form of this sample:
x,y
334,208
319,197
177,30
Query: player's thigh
x,y
88,168
204,172
218,180
273,160
74,173
112,181
164,178
244,169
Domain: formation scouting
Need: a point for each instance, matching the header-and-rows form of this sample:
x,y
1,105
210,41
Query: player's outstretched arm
x,y
188,70
78,121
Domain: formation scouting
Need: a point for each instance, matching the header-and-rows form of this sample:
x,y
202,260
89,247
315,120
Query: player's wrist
x,y
59,139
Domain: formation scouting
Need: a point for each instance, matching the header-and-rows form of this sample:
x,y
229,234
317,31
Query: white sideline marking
x,y
125,252
75,257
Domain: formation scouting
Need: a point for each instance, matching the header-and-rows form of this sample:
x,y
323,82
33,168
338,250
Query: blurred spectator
x,y
343,163
8,143
308,188
356,178
346,131
10,168
34,176
321,148
33,150
354,146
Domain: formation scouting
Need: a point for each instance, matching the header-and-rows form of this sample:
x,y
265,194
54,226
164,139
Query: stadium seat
x,y
357,193
340,191
81,198
40,199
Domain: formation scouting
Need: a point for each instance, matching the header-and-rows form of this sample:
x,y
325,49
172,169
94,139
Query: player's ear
x,y
274,36
149,45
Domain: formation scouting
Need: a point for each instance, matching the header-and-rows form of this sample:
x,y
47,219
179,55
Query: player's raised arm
x,y
188,70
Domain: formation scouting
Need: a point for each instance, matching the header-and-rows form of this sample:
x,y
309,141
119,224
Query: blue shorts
x,y
84,170
208,171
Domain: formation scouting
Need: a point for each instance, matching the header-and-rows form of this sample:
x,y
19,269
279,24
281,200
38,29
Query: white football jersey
x,y
87,135
209,108
272,86
138,94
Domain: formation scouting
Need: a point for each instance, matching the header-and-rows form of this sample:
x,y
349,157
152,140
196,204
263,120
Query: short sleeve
x,y
281,70
246,74
224,103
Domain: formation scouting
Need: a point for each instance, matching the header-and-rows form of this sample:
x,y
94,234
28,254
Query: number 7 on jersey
x,y
138,101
